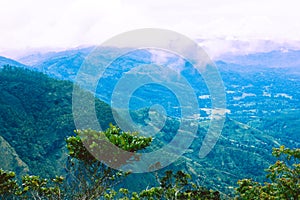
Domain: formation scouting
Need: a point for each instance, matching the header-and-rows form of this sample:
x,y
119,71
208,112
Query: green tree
x,y
90,178
284,176
87,177
171,186
8,185
178,186
32,187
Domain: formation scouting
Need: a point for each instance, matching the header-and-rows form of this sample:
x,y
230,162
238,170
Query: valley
x,y
262,112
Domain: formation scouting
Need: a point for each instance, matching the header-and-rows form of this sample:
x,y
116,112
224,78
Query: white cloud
x,y
26,24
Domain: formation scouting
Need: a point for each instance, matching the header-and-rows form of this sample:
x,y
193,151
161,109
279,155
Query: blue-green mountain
x,y
262,102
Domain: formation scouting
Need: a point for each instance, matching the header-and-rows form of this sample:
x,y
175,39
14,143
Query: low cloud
x,y
31,24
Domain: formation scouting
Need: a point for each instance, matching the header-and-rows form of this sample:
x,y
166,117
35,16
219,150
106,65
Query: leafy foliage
x,y
8,185
88,177
98,143
38,188
284,175
172,186
178,186
32,187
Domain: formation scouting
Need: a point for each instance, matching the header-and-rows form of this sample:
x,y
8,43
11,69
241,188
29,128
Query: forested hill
x,y
35,118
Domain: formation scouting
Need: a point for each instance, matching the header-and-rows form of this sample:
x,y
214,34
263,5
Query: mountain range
x,y
262,92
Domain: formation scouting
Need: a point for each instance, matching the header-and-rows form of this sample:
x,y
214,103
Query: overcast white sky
x,y
29,24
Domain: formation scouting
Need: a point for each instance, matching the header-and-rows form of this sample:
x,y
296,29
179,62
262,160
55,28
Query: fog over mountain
x,y
221,26
223,48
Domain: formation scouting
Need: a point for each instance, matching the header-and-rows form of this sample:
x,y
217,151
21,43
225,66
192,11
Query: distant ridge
x,y
36,59
272,59
8,61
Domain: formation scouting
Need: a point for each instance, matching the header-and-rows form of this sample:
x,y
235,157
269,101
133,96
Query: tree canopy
x,y
284,176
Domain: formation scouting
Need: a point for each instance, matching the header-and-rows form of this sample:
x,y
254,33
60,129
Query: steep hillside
x,y
36,116
10,160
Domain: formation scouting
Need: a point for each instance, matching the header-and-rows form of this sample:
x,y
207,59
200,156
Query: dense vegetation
x,y
36,117
89,178
284,178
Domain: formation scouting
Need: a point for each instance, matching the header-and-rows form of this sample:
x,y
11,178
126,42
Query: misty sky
x,y
59,24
